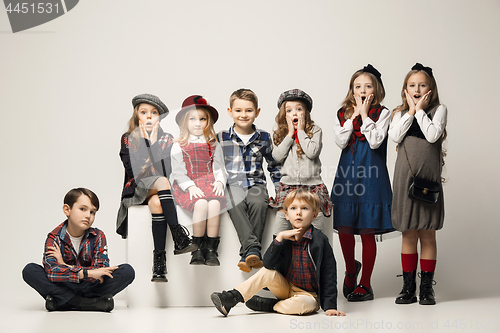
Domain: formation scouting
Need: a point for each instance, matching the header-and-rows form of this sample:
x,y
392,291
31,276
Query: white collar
x,y
197,139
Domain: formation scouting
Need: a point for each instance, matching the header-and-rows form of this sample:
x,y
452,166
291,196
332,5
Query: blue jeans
x,y
35,276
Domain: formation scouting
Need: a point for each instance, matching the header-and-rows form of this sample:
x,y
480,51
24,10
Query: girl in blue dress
x,y
361,192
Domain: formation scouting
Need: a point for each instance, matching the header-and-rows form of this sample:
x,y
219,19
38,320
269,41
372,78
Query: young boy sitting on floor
x,y
299,267
76,273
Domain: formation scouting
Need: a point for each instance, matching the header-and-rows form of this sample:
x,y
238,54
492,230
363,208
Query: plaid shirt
x,y
244,162
93,254
302,271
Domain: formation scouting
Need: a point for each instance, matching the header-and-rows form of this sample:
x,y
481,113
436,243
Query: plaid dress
x,y
198,159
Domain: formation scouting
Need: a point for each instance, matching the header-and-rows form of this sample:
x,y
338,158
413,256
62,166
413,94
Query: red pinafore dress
x,y
198,159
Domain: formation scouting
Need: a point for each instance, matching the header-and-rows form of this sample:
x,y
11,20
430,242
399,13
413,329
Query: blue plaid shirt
x,y
244,162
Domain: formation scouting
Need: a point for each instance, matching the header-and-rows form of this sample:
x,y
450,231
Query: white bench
x,y
188,285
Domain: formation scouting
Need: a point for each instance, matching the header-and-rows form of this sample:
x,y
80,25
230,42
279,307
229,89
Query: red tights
x,y
369,253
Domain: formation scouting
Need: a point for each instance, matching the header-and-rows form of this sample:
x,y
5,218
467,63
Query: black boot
x,y
183,244
212,243
159,266
104,303
426,292
197,257
226,300
258,303
407,294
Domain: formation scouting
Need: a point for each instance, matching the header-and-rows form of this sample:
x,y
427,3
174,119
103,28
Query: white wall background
x,y
66,90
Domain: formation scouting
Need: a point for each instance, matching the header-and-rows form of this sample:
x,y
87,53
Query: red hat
x,y
192,102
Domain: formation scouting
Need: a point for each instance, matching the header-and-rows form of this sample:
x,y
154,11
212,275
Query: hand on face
x,y
424,101
288,234
151,135
301,124
291,128
362,105
409,100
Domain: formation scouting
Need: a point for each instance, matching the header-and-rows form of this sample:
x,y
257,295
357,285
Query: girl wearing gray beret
x,y
145,153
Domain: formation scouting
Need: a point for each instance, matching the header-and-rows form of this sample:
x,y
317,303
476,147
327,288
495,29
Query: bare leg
x,y
213,220
200,218
154,204
410,240
428,246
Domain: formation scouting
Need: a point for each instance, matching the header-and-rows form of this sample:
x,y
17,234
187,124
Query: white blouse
x,y
432,129
179,172
375,132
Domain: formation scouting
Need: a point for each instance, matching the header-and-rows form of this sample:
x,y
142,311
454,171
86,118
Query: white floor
x,y
451,314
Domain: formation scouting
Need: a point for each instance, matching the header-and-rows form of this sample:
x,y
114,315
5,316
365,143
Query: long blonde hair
x,y
208,131
432,86
281,132
434,101
349,100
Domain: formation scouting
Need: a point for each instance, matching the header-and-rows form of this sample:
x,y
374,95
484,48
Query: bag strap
x,y
404,147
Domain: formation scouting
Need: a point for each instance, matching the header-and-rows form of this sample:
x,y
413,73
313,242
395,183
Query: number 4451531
x,y
39,8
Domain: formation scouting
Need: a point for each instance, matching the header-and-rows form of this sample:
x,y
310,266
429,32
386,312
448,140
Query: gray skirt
x,y
139,198
425,160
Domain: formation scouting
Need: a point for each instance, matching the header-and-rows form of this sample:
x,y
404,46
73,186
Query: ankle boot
x,y
212,243
183,244
226,300
407,294
258,303
159,266
426,292
197,257
104,303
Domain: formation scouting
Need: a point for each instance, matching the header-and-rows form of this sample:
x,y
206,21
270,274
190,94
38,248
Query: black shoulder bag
x,y
421,189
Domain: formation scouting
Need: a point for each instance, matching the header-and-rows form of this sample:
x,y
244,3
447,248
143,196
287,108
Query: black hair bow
x,y
419,67
370,69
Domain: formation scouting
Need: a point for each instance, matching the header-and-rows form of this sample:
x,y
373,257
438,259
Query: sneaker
x,y
182,242
243,266
226,300
258,303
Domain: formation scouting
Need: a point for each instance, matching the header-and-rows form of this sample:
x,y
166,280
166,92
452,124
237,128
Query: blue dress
x,y
361,192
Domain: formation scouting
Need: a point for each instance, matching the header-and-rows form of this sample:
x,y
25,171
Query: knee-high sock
x,y
347,243
409,261
369,254
168,206
159,226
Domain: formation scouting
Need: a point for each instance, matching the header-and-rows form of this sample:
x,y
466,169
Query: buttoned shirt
x,y
93,253
244,162
302,272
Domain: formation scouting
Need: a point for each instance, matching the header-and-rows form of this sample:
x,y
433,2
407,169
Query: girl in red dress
x,y
199,176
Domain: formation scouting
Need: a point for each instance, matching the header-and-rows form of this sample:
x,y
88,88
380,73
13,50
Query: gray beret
x,y
293,95
152,100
